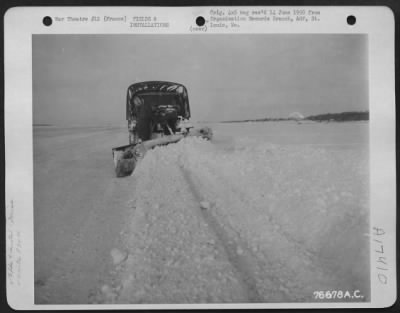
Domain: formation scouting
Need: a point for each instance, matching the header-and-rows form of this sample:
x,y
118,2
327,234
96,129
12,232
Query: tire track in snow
x,y
314,264
244,264
174,255
272,263
286,265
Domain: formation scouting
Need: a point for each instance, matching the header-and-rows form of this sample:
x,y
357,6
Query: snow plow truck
x,y
158,113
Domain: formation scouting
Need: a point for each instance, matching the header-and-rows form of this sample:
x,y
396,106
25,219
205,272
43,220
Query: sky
x,y
83,79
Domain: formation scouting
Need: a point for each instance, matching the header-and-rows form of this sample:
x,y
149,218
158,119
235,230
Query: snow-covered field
x,y
266,212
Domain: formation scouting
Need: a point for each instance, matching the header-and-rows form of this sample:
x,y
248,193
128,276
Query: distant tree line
x,y
337,117
340,117
266,119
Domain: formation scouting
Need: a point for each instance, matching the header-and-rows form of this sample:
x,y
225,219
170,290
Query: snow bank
x,y
294,218
316,198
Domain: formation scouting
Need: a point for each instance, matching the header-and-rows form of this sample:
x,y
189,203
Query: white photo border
x,y
22,22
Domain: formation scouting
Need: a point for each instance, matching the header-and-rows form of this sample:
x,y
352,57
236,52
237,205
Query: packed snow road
x,y
79,209
234,220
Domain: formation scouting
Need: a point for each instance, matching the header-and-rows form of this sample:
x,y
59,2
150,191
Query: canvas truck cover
x,y
161,88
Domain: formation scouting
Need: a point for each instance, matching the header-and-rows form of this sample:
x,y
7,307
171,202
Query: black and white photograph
x,y
200,160
212,169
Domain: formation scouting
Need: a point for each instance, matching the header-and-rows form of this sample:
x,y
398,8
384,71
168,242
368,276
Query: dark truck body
x,y
155,107
158,89
157,114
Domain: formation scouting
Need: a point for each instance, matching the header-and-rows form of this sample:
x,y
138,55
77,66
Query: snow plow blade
x,y
127,157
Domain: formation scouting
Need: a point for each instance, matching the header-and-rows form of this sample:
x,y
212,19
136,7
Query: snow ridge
x,y
278,223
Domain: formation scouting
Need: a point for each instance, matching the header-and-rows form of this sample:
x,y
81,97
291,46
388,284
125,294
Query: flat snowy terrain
x,y
266,212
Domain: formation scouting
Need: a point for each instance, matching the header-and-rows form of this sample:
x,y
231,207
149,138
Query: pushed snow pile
x,y
205,205
118,256
289,220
